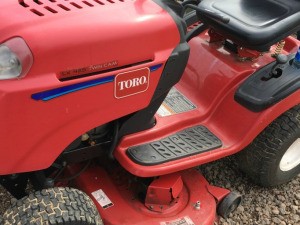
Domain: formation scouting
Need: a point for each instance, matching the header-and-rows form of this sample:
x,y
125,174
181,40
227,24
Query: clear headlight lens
x,y
10,66
15,59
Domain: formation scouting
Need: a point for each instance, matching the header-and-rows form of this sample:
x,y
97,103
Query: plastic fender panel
x,y
79,48
209,82
258,93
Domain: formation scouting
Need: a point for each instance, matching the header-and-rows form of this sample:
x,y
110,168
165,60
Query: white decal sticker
x,y
102,199
181,221
175,103
164,111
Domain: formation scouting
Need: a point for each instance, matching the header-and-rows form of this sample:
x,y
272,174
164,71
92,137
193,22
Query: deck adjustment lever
x,y
277,69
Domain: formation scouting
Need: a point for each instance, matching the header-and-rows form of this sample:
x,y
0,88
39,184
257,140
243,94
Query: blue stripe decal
x,y
57,92
156,67
54,93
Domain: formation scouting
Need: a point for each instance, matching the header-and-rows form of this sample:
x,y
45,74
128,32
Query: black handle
x,y
209,13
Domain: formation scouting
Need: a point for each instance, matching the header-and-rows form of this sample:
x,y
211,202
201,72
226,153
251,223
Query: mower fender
x,y
265,87
210,85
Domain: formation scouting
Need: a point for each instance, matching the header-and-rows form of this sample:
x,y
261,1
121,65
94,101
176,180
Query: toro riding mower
x,y
108,106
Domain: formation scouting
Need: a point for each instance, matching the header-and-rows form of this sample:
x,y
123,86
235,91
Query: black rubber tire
x,y
229,204
55,206
261,159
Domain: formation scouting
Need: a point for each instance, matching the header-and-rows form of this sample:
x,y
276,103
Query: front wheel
x,y
54,206
229,204
273,157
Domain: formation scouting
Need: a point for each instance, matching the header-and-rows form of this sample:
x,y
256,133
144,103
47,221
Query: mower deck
x,y
194,203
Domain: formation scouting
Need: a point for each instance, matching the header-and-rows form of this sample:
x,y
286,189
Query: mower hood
x,y
64,35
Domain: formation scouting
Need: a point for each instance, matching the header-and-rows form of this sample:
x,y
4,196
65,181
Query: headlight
x,y
10,66
15,59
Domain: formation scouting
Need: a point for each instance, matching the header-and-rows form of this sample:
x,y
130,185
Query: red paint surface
x,y
163,192
128,210
34,133
217,192
210,80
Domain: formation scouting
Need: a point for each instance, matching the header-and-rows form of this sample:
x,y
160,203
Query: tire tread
x,y
257,158
55,206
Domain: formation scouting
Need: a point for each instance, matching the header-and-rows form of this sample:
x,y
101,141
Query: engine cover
x,y
79,47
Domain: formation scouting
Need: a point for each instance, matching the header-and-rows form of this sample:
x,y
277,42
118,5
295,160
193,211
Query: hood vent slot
x,y
38,2
75,5
36,12
63,7
46,7
101,3
88,4
22,3
50,9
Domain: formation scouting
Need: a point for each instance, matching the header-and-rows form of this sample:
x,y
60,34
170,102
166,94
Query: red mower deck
x,y
113,195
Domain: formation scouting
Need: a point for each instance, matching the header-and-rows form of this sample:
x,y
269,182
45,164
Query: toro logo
x,y
132,82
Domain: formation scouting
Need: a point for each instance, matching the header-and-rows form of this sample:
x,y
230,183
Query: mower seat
x,y
254,24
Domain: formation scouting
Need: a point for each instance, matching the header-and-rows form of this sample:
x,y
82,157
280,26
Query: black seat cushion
x,y
255,24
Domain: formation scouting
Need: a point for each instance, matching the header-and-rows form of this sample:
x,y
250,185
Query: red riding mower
x,y
106,105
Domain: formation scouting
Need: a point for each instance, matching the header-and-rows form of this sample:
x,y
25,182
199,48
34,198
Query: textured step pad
x,y
187,142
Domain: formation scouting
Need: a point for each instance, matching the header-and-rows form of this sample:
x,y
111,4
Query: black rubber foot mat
x,y
187,142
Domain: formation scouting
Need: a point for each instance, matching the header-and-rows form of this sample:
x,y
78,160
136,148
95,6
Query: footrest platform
x,y
191,141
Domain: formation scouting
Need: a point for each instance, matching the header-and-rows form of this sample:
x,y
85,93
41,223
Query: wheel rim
x,y
291,157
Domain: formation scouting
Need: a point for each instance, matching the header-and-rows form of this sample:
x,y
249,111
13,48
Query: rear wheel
x,y
54,206
273,157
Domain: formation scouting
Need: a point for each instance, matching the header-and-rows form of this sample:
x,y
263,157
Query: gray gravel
x,y
280,205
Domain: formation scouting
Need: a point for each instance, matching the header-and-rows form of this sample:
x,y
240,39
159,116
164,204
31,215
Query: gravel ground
x,y
280,205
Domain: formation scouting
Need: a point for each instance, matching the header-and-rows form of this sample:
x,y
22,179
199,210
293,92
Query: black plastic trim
x,y
174,9
190,141
174,68
195,32
190,18
258,93
15,184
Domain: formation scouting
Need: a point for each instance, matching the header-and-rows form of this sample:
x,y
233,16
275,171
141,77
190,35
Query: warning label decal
x,y
175,103
102,199
181,221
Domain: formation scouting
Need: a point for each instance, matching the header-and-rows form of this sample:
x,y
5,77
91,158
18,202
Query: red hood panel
x,y
95,31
